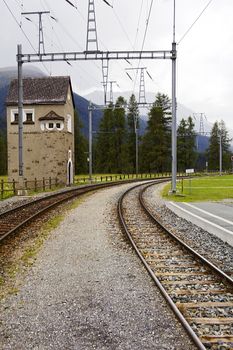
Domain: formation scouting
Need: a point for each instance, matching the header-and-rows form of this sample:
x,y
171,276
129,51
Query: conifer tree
x,y
111,143
186,146
105,142
156,143
133,126
120,151
81,147
213,152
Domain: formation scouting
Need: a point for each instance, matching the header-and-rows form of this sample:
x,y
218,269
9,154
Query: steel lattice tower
x,y
41,48
105,65
92,42
142,92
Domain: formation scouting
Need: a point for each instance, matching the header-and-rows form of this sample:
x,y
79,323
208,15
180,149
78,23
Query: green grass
x,y
202,189
7,187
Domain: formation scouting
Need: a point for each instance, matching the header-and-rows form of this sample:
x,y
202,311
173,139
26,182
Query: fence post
x,y
14,190
2,188
35,184
50,183
43,184
56,181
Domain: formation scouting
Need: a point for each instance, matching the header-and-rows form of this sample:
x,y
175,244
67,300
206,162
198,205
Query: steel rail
x,y
71,194
166,296
41,211
214,268
74,192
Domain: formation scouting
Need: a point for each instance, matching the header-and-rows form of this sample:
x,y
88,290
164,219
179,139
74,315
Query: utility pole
x,y
41,34
136,146
220,152
90,140
20,109
174,132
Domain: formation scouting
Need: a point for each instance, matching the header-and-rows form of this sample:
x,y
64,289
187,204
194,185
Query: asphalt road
x,y
214,217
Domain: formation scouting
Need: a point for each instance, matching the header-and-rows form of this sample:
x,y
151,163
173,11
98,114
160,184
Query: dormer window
x,y
51,122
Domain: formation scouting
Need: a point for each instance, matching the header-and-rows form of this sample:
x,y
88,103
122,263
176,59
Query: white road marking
x,y
208,213
202,219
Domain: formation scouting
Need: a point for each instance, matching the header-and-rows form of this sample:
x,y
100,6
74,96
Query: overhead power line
x,y
30,43
139,18
188,30
106,2
69,2
123,28
144,38
46,6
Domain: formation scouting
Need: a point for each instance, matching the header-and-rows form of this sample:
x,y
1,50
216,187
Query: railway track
x,y
200,294
12,220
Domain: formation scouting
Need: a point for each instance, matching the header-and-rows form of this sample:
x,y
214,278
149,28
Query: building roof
x,y
52,116
39,91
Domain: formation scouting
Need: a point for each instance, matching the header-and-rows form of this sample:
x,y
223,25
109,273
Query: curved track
x,y
14,219
200,295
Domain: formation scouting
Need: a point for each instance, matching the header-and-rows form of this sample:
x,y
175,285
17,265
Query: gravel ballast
x,y
88,290
210,246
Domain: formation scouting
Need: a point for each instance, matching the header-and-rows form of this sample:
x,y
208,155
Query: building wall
x,y
45,153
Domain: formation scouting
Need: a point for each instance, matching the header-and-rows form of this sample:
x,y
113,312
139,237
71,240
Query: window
x,y
16,117
58,125
29,117
50,125
69,124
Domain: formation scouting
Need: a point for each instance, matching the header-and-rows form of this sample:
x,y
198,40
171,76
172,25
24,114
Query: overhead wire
x,y
122,27
18,23
46,6
143,41
69,2
139,19
188,30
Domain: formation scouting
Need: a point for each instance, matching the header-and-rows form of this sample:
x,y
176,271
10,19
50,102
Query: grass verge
x,y
201,189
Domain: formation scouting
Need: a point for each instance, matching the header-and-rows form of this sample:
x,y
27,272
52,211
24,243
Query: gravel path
x,y
88,290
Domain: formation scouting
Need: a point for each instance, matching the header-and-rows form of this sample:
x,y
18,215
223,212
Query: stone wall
x,y
45,153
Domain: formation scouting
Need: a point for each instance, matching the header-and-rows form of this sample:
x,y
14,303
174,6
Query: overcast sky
x,y
205,69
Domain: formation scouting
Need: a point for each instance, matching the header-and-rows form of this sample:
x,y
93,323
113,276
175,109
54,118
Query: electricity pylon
x,y
41,47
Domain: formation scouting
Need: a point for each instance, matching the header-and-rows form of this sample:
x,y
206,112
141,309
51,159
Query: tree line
x,y
114,142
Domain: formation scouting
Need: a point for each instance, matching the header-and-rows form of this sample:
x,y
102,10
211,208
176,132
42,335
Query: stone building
x,y
48,129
